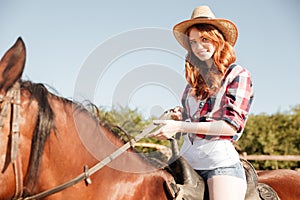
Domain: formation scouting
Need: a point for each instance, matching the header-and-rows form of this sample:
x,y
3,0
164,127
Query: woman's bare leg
x,y
226,188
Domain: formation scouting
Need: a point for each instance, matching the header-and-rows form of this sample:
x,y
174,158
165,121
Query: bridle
x,y
12,98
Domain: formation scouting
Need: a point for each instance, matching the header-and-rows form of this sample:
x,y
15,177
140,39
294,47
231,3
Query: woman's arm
x,y
171,127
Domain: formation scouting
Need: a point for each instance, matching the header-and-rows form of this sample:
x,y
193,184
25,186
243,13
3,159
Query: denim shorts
x,y
236,170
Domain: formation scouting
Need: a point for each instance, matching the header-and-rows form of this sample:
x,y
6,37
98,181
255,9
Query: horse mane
x,y
44,125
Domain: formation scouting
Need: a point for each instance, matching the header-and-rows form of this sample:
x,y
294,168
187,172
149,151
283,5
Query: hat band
x,y
205,17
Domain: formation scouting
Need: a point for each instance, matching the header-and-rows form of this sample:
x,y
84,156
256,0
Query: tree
x,y
128,123
276,134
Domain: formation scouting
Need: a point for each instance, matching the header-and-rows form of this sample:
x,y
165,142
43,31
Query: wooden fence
x,y
271,157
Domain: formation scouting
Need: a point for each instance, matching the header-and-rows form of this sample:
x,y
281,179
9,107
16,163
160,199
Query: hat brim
x,y
226,27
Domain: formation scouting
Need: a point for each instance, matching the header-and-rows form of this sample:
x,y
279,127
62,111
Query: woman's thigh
x,y
224,187
225,182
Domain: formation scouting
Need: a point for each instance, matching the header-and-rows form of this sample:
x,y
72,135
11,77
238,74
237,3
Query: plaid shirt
x,y
231,104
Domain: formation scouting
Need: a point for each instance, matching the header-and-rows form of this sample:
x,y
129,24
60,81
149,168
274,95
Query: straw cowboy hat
x,y
203,15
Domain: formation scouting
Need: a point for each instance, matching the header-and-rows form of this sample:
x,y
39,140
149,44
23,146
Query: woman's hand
x,y
176,113
168,129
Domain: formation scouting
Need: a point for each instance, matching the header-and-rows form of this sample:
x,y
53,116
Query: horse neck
x,y
94,139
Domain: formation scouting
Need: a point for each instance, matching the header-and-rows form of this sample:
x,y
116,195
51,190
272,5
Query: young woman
x,y
216,103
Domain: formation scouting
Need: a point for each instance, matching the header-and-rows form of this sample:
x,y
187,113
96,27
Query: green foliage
x,y
277,134
129,120
128,123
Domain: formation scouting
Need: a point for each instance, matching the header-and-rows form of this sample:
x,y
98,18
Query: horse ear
x,y
12,65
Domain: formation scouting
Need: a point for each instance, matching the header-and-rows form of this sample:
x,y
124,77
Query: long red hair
x,y
203,80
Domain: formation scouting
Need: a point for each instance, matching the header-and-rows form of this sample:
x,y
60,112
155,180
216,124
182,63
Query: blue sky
x,y
64,37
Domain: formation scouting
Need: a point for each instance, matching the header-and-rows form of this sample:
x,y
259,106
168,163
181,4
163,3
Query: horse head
x,y
23,127
11,69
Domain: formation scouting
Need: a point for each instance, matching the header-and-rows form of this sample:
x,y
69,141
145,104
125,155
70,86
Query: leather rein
x,y
12,98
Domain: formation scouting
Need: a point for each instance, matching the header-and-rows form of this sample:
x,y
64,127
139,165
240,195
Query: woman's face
x,y
201,46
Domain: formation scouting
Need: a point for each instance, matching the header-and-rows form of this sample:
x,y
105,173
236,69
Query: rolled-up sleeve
x,y
238,99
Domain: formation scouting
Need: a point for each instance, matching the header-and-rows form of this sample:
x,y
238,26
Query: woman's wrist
x,y
190,127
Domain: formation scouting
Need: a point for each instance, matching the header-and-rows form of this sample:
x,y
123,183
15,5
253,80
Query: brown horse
x,y
46,140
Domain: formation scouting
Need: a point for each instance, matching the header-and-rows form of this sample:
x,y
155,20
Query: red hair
x,y
207,81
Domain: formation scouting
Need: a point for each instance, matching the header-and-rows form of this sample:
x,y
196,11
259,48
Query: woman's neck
x,y
209,63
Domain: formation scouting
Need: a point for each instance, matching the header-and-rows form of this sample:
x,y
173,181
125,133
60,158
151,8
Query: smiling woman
x,y
216,103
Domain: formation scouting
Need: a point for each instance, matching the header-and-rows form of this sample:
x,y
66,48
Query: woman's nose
x,y
199,45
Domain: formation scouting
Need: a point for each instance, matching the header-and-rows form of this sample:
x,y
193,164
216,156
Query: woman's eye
x,y
192,42
204,40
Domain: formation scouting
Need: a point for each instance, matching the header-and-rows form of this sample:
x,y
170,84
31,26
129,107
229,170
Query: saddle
x,y
188,185
255,190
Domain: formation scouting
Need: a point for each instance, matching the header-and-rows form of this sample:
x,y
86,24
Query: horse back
x,y
285,182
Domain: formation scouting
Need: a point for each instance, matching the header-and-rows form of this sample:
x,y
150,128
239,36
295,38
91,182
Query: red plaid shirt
x,y
231,104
